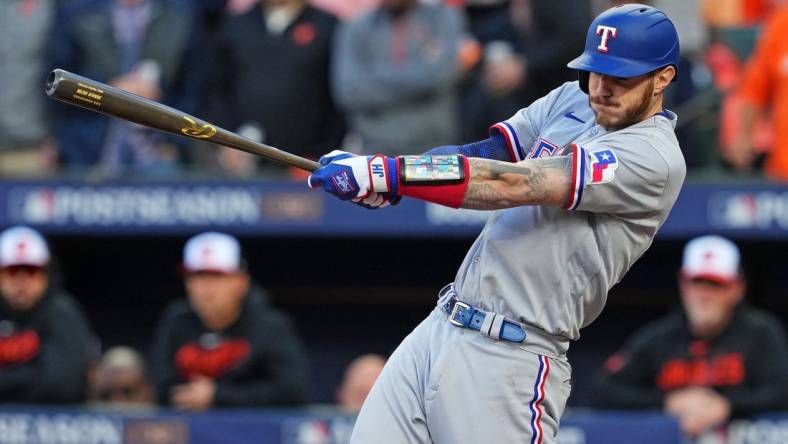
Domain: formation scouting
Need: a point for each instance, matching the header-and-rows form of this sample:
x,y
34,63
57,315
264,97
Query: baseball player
x,y
580,181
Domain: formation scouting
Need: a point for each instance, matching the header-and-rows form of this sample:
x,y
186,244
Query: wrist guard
x,y
441,179
446,169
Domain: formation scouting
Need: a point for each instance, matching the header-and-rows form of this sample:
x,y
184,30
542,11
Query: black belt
x,y
465,315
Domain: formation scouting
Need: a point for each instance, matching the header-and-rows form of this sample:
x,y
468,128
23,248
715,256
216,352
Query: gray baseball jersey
x,y
551,268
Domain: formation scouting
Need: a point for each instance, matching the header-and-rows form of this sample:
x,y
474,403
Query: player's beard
x,y
633,115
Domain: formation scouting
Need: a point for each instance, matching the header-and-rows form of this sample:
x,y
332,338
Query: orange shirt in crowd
x,y
765,84
734,13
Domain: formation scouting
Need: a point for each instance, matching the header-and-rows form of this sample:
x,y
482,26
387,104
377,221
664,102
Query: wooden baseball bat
x,y
99,97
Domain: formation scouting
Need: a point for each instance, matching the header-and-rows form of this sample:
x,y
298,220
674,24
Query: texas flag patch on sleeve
x,y
603,166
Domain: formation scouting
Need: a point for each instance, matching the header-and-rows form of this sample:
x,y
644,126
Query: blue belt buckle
x,y
456,312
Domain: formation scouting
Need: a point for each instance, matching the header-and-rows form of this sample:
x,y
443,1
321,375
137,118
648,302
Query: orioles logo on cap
x,y
21,250
606,32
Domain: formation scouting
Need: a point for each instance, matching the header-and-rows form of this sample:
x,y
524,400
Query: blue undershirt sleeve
x,y
492,148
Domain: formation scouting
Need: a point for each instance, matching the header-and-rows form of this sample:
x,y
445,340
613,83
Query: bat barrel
x,y
98,97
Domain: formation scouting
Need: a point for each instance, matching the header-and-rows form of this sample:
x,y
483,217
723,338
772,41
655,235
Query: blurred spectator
x,y
493,90
45,340
691,78
135,45
733,29
24,37
236,7
734,13
551,38
716,358
526,45
191,92
346,9
359,377
752,135
396,71
225,346
692,30
121,380
764,87
271,72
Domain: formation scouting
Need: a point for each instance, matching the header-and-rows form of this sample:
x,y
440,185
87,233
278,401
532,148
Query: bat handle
x,y
311,165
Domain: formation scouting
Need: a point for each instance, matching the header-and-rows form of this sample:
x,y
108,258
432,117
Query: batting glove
x,y
335,155
370,181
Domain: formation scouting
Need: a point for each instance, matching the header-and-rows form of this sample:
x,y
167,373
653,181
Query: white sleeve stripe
x,y
519,149
511,141
578,177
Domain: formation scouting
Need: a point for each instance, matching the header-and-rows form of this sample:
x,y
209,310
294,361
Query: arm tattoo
x,y
494,185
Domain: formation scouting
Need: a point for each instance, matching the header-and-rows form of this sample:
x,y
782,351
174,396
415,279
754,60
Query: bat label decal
x,y
201,132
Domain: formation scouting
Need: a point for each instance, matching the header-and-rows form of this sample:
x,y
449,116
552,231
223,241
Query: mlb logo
x,y
342,182
603,166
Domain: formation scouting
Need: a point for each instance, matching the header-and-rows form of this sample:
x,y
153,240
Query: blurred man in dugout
x,y
45,340
225,345
715,359
359,377
121,380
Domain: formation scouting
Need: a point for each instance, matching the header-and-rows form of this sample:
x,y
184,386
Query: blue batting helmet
x,y
628,41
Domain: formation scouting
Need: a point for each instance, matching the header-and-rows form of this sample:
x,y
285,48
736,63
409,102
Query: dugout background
x,y
349,296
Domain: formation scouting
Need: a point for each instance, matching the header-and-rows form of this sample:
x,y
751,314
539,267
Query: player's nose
x,y
602,86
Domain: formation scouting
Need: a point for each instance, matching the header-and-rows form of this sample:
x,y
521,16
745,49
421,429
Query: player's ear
x,y
663,77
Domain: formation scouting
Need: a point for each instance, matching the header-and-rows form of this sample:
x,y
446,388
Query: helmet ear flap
x,y
582,77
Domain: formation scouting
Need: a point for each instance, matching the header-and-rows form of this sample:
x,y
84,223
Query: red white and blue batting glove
x,y
370,181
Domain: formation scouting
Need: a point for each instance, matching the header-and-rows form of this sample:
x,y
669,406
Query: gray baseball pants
x,y
450,385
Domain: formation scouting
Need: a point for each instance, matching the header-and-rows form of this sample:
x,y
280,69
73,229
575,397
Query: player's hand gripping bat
x,y
96,96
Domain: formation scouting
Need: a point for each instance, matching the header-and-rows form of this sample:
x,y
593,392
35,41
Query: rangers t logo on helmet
x,y
606,32
648,42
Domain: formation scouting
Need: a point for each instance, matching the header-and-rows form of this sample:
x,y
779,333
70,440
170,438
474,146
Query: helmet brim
x,y
611,65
